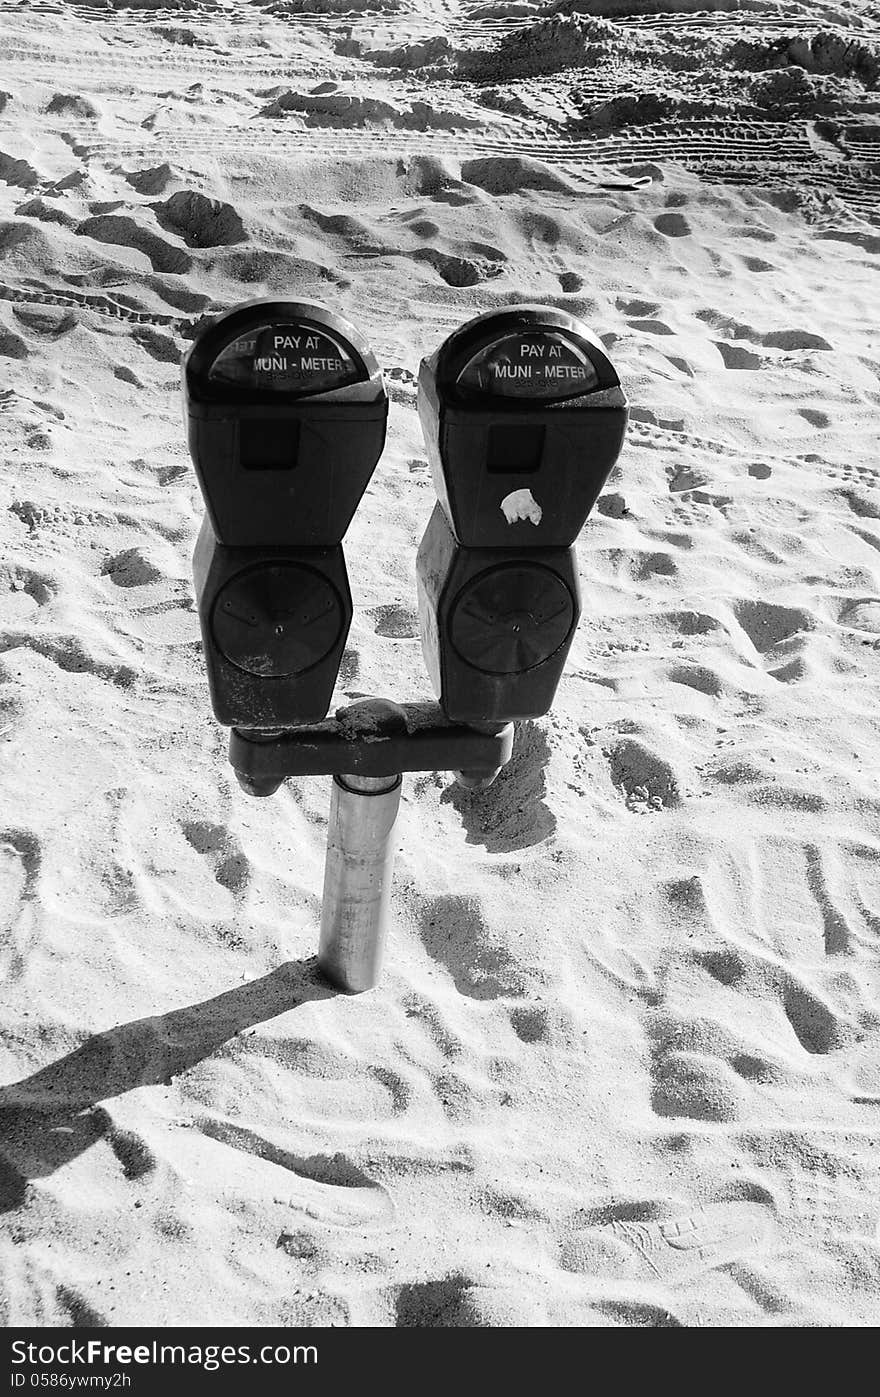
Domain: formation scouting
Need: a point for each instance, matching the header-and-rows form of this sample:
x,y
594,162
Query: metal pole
x,y
357,879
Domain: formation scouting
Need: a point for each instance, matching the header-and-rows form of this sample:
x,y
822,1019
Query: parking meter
x,y
285,411
523,417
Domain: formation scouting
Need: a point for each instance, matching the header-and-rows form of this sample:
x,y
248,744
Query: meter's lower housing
x,y
496,624
274,625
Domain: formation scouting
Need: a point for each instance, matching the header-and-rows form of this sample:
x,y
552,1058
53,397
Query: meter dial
x,y
511,618
277,620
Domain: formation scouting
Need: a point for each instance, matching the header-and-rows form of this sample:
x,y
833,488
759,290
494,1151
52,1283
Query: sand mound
x,y
160,347
510,9
821,53
123,231
510,174
349,112
46,213
645,109
200,221
17,172
28,247
175,35
276,271
284,8
792,91
435,54
622,9
71,104
499,100
548,46
148,5
152,181
697,77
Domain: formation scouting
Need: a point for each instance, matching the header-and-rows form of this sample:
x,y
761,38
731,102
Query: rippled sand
x,y
624,1066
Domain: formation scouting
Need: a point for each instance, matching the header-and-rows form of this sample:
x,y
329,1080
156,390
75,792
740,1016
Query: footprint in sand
x,y
395,622
672,225
455,935
125,375
77,1310
612,505
736,356
459,1302
645,780
350,667
651,327
695,1085
862,614
330,1189
861,505
21,856
22,592
673,1249
815,1025
231,866
69,654
12,346
639,309
698,677
530,1023
459,271
814,417
766,624
570,282
130,568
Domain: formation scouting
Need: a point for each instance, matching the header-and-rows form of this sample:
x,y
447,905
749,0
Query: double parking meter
x,y
523,417
286,413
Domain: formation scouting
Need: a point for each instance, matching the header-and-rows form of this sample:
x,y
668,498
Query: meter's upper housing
x,y
523,417
286,413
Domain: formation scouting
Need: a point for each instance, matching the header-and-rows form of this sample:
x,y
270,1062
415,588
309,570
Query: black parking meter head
x,y
496,624
523,417
274,624
285,411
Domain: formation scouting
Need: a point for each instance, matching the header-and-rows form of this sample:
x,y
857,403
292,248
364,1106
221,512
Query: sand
x,y
624,1065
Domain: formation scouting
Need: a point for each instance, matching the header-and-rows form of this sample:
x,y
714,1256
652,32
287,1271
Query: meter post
x,y
366,747
523,417
357,879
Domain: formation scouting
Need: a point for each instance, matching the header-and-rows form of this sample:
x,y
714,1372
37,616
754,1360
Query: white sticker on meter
x,y
521,504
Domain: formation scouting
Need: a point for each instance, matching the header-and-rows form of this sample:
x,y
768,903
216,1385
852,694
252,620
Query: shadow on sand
x,y
49,1118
